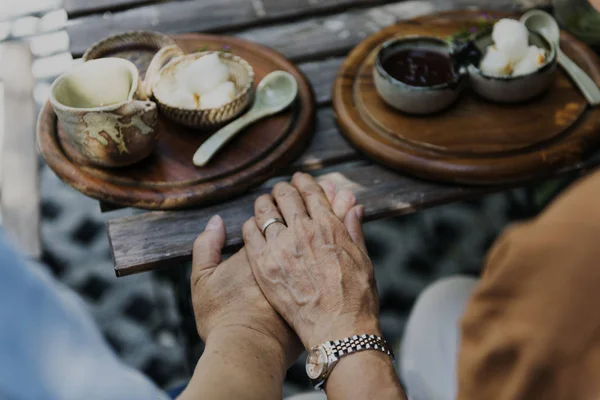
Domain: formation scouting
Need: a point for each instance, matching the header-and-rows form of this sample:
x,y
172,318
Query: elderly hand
x,y
226,296
315,272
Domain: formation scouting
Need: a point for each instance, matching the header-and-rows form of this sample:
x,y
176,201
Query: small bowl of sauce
x,y
417,75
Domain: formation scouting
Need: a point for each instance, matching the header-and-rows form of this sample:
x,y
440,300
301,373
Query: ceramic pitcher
x,y
104,111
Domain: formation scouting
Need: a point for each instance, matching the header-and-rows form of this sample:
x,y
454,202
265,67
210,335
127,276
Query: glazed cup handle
x,y
160,59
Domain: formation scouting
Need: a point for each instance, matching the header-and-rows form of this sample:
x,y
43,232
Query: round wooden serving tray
x,y
167,179
475,141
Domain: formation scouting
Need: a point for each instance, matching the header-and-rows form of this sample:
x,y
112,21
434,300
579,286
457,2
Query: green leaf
x,y
467,33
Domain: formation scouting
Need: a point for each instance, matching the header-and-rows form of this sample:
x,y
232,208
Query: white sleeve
x,y
50,347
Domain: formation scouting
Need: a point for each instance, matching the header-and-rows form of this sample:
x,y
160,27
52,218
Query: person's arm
x,y
531,328
364,375
238,363
248,345
48,334
316,273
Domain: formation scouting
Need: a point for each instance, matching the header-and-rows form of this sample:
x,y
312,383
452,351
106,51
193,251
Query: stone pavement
x,y
137,314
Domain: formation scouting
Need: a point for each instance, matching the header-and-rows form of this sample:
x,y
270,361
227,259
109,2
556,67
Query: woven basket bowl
x,y
131,39
240,73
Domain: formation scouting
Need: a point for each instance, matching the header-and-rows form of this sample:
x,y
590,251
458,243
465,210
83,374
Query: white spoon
x,y
274,93
545,24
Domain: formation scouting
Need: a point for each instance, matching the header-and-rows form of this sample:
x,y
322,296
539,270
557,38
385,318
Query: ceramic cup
x,y
514,89
415,99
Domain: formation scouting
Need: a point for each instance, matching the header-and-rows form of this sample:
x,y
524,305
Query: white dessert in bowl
x,y
517,64
204,90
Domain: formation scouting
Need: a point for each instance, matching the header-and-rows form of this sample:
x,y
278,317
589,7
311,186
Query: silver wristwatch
x,y
322,358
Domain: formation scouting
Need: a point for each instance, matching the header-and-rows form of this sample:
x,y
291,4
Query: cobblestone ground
x,y
139,314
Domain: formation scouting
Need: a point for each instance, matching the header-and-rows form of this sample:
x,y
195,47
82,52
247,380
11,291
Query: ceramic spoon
x,y
274,93
543,23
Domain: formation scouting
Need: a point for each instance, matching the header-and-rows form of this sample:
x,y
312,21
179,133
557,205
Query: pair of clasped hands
x,y
296,286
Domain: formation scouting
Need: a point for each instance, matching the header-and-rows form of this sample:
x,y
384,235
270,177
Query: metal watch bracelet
x,y
322,358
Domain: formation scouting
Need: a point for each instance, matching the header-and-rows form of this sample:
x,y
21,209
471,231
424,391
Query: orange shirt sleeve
x,y
532,328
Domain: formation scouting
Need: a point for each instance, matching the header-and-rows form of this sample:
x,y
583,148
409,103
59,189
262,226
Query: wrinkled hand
x,y
225,294
315,272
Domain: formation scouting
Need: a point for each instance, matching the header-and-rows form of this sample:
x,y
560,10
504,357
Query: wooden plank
x,y
157,239
153,239
322,75
171,17
335,35
327,148
82,7
196,16
340,32
303,7
19,196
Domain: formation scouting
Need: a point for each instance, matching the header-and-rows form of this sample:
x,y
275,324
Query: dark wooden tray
x,y
168,179
475,141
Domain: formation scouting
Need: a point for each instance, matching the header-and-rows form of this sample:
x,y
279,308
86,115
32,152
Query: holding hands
x,y
226,295
303,277
315,271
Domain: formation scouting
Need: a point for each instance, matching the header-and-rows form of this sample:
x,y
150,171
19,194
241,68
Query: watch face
x,y
316,362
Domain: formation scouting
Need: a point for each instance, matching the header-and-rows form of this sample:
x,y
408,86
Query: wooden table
x,y
316,34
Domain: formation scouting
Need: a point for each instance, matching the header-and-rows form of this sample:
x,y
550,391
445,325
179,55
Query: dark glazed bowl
x,y
415,99
514,89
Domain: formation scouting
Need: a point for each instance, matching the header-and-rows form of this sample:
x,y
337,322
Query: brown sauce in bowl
x,y
418,67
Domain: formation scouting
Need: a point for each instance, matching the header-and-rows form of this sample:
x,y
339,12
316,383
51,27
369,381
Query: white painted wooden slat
x,y
1,132
52,66
50,43
12,9
52,21
20,198
25,26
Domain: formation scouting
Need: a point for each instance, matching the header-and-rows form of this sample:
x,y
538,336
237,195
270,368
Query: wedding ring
x,y
271,222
